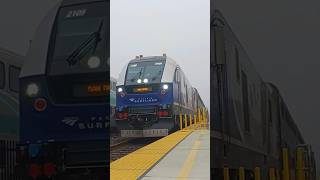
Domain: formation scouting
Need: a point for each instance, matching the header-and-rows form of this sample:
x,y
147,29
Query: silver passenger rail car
x,y
10,65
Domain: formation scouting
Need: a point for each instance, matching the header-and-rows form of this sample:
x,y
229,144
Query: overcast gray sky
x,y
282,38
179,28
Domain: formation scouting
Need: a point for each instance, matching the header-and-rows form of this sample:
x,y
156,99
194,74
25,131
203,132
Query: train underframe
x,y
64,160
234,157
149,126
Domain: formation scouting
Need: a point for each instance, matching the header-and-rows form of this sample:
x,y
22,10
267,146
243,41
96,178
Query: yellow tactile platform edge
x,y
136,164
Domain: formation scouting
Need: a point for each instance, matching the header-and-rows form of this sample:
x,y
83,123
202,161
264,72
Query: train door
x,y
178,99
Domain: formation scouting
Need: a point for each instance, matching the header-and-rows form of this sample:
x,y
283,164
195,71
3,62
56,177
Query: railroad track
x,y
127,146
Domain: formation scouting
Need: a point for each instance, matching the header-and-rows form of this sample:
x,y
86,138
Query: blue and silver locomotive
x,y
152,92
64,87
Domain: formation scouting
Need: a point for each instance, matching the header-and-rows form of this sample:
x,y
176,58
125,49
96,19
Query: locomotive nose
x,y
140,121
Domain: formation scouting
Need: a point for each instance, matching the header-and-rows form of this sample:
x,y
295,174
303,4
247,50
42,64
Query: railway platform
x,y
184,154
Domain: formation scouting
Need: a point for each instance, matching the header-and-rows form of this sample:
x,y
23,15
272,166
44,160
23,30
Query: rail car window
x,y
2,75
178,82
182,89
176,76
245,102
187,95
254,94
251,95
237,64
220,45
270,112
14,73
263,114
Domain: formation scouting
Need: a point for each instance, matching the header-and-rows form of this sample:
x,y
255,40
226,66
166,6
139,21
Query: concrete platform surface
x,y
190,159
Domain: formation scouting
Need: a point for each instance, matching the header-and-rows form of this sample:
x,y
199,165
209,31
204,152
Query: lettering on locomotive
x,y
76,13
142,89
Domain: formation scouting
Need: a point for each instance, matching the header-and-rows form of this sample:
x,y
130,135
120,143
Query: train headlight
x,y
145,80
32,90
120,89
165,86
94,62
139,81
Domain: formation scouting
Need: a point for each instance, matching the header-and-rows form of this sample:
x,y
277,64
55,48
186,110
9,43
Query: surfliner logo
x,y
143,100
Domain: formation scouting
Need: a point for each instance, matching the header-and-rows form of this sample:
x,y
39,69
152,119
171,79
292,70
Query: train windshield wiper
x,y
90,43
140,73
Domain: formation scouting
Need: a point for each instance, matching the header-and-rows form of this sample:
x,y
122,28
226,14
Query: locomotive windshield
x,y
79,40
146,72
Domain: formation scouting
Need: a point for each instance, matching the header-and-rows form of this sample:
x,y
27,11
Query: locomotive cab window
x,y
145,72
2,75
14,73
77,44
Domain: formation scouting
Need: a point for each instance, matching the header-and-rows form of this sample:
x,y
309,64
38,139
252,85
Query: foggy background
x,y
179,28
282,38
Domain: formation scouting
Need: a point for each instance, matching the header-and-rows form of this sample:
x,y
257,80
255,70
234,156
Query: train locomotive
x,y
152,93
64,91
252,131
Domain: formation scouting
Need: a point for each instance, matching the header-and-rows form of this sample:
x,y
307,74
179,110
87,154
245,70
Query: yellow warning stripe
x,y
136,164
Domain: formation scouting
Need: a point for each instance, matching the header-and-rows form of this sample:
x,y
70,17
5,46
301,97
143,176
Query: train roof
x,y
169,68
148,58
218,18
35,61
